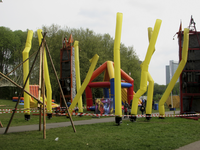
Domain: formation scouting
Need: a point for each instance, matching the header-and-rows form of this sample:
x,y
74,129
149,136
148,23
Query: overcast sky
x,y
100,16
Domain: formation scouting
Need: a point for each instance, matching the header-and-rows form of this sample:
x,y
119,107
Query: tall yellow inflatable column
x,y
117,80
25,54
151,85
47,79
149,95
78,80
144,71
176,74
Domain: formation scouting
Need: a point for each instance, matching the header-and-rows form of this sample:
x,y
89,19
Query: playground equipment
x,y
145,76
67,70
34,90
127,85
90,76
69,63
125,94
190,76
116,74
41,83
15,99
176,74
115,81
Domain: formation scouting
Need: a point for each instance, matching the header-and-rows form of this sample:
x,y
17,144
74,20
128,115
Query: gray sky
x,y
100,16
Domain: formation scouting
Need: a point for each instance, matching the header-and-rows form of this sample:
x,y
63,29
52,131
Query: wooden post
x,y
1,124
43,94
40,117
60,87
40,87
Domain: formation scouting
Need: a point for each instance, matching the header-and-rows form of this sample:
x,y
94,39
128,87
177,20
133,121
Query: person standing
x,y
142,108
129,108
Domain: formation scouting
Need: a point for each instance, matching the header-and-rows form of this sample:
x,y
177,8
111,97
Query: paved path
x,y
55,125
192,146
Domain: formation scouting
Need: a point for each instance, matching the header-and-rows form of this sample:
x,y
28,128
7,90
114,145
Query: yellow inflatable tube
x,y
46,75
177,73
110,69
151,82
145,66
78,80
41,98
118,104
85,83
25,55
149,94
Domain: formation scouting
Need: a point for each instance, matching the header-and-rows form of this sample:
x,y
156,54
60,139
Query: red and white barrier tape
x,y
112,115
7,112
18,109
62,108
4,111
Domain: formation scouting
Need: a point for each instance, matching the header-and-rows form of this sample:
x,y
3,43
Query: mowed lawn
x,y
156,134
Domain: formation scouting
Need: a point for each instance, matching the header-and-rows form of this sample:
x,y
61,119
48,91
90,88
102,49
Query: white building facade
x,y
170,70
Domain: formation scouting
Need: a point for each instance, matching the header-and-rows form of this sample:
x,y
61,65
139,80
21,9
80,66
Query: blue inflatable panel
x,y
92,108
155,106
15,100
126,85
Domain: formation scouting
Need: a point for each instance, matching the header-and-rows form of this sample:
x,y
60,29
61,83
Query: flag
x,y
71,39
180,29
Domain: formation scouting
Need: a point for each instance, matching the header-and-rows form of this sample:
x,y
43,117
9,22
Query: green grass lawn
x,y
157,134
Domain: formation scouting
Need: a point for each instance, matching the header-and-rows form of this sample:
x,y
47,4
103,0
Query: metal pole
x,y
170,65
